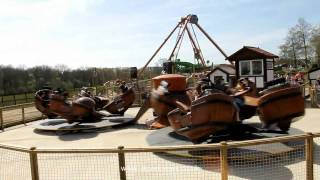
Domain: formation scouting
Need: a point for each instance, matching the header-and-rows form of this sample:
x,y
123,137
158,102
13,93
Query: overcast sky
x,y
119,33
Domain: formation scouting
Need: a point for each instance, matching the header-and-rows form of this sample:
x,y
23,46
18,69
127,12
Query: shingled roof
x,y
248,53
227,68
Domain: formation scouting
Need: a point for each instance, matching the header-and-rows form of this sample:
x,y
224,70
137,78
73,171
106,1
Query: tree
x,y
297,46
303,32
315,41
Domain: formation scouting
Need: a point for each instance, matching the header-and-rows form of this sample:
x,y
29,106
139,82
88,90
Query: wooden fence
x,y
306,153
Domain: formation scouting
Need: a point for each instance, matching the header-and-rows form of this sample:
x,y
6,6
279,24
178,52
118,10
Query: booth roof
x,y
248,53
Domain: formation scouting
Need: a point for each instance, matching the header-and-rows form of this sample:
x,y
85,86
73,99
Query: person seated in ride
x,y
85,92
123,87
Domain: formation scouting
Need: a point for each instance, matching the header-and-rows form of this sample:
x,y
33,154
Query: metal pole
x,y
211,40
179,37
196,48
224,160
26,97
1,119
34,164
23,115
309,156
122,163
14,99
155,53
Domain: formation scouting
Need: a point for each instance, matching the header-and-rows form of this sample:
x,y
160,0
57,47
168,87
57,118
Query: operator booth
x,y
255,64
225,72
313,75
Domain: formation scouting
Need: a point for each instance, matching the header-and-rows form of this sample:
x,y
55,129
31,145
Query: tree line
x,y
302,46
16,80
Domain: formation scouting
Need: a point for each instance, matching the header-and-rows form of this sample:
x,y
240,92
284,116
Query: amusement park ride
x,y
197,114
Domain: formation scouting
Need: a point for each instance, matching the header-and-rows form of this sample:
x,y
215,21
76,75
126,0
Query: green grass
x,y
16,99
29,97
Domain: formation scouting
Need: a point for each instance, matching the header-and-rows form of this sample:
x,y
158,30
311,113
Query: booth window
x,y
245,67
257,67
253,67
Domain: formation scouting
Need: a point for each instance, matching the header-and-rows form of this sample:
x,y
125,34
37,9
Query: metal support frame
x,y
184,23
211,40
195,47
155,53
184,26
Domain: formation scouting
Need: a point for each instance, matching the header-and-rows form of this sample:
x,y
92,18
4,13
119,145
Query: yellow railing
x,y
18,114
223,161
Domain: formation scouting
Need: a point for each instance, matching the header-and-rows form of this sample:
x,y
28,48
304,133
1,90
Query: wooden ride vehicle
x,y
281,106
215,110
42,99
82,108
208,114
119,105
99,100
169,92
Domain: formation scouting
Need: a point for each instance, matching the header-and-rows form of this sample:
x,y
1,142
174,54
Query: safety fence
x,y
286,157
15,99
18,114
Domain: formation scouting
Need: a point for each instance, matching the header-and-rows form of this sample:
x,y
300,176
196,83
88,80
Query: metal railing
x,y
18,114
224,161
15,99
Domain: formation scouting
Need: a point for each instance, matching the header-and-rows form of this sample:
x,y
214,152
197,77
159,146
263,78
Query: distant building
x,y
255,64
226,72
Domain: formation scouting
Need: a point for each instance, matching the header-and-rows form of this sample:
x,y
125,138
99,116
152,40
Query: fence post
x,y
1,119
34,164
23,115
309,156
26,97
122,163
14,99
224,160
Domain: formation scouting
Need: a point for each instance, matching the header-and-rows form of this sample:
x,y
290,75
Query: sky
x,y
125,33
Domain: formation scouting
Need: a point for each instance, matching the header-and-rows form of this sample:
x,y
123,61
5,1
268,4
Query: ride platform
x,y
63,125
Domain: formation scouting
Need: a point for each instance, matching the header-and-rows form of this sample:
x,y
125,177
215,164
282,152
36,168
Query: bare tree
x,y
303,31
297,46
315,41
